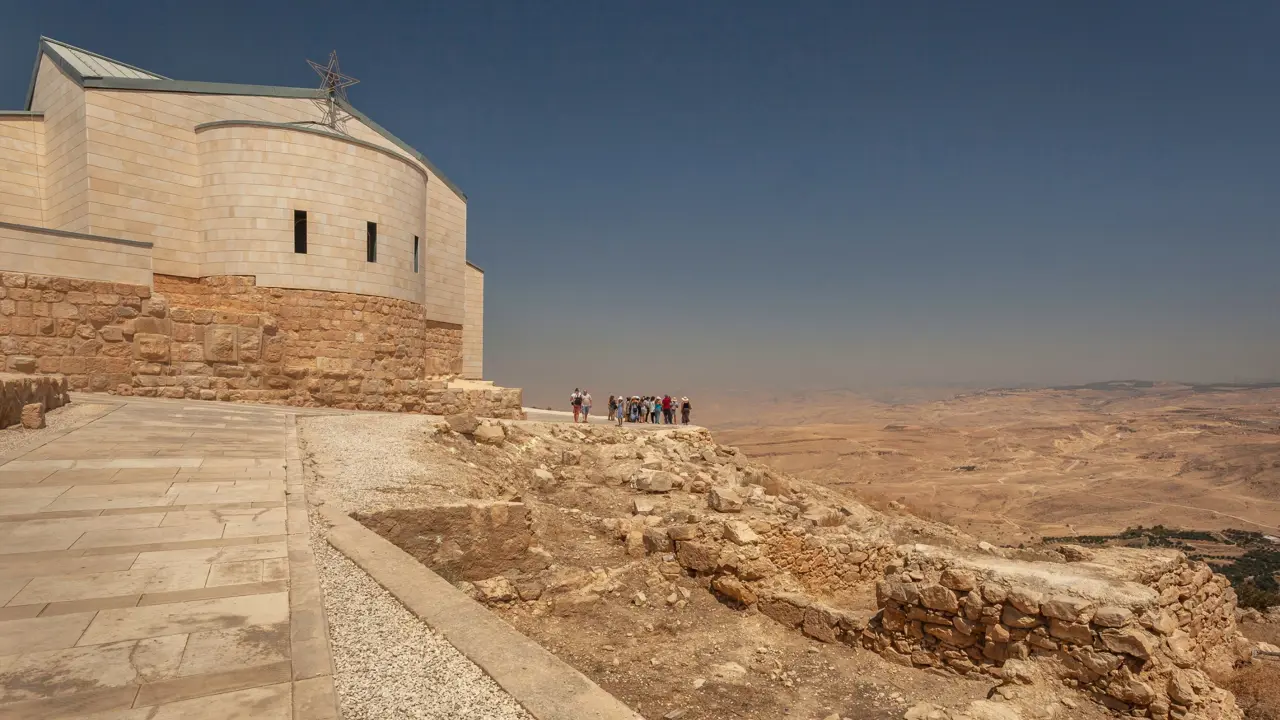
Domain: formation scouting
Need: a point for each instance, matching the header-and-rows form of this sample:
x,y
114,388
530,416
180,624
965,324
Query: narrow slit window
x,y
371,243
415,253
300,231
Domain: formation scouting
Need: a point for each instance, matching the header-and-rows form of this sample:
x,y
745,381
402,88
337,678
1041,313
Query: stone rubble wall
x,y
1145,658
17,391
225,338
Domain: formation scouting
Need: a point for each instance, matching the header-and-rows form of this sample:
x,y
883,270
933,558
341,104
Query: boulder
x,y
656,481
722,499
33,416
1131,641
740,533
937,597
1065,607
733,589
696,556
496,589
688,531
463,423
1111,616
656,540
490,434
961,580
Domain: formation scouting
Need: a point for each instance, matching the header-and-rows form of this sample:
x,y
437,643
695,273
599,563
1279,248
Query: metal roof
x,y
91,70
88,64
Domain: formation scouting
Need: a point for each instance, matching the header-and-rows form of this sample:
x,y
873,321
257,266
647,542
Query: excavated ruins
x,y
1068,631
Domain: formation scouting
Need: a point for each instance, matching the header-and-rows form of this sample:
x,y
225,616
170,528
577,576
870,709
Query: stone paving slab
x,y
148,570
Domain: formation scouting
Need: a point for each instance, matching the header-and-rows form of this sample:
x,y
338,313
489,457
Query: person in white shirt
x,y
586,406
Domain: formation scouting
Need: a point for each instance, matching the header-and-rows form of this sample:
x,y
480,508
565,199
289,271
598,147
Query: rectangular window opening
x,y
300,231
371,243
415,253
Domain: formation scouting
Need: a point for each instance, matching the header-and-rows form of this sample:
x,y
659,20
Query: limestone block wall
x,y
148,177
26,249
19,390
225,338
64,172
473,325
255,177
21,151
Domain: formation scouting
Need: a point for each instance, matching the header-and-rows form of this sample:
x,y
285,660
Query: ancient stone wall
x,y
18,391
1139,641
225,338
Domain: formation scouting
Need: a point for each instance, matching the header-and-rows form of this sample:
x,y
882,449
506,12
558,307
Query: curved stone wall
x,y
255,175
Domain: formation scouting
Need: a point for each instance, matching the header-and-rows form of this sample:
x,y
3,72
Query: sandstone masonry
x,y
225,338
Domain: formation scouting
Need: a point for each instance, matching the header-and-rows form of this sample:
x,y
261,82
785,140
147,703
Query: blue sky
x,y
676,196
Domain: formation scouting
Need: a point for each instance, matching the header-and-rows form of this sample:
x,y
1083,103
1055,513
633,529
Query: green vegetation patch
x,y
1252,573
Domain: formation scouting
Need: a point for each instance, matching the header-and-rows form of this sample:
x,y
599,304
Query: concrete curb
x,y
545,686
314,697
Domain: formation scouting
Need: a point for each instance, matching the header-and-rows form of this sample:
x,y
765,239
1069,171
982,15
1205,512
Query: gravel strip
x,y
388,663
17,437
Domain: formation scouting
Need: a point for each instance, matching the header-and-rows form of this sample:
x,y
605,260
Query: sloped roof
x,y
91,70
89,64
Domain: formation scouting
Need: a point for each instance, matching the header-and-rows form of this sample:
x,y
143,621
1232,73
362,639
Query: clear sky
x,y
692,196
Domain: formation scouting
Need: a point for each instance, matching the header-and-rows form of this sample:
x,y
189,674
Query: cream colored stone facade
x,y
473,325
129,176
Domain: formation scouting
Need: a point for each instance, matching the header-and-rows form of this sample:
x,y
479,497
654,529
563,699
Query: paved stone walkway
x,y
154,565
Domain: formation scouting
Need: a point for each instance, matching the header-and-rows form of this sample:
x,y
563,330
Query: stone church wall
x,y
225,338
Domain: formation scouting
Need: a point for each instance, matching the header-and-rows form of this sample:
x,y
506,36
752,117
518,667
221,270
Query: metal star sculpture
x,y
333,87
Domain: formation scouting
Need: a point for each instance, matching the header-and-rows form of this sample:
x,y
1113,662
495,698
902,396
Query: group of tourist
x,y
652,409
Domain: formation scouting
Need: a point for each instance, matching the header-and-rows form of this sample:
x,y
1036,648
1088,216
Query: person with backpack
x,y
575,399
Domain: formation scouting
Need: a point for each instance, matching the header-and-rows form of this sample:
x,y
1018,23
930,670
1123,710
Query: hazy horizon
x,y
696,197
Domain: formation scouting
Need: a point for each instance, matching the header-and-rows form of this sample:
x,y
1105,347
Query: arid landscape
x,y
1014,466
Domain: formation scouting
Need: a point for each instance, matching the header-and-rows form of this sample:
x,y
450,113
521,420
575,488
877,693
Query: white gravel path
x,y
388,663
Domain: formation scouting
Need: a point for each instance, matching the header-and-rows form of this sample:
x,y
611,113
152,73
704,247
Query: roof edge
x,y
475,267
194,87
22,113
214,88
46,39
297,127
403,146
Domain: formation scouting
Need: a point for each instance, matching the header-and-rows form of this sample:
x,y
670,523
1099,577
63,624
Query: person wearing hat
x,y
684,410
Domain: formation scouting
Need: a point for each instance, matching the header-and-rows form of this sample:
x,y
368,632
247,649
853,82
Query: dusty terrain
x,y
1012,466
694,583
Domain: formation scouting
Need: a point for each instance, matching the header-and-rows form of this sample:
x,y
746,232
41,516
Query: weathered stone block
x,y
151,347
220,344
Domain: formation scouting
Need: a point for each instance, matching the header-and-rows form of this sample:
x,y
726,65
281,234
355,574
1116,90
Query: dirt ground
x,y
657,639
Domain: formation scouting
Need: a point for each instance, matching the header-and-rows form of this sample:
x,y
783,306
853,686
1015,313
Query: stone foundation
x,y
18,391
1136,629
1140,631
225,338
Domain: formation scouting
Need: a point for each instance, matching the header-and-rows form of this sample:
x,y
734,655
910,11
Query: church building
x,y
218,241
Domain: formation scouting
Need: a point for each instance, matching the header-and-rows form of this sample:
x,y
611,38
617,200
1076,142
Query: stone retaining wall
x,y
17,391
1139,641
225,338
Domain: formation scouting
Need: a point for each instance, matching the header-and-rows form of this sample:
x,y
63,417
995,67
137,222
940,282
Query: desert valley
x,y
1020,466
